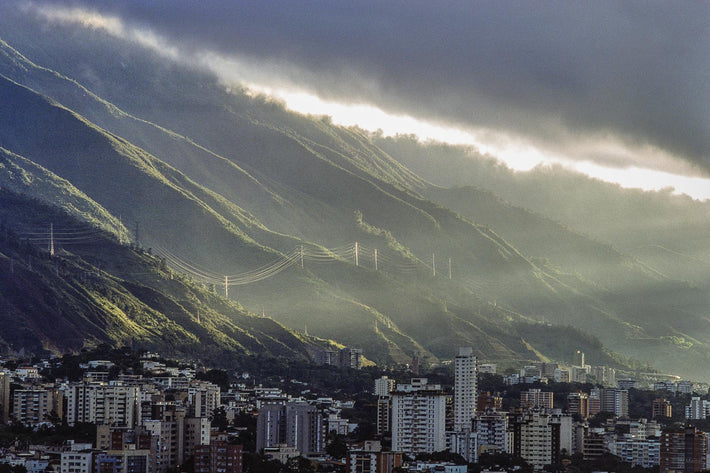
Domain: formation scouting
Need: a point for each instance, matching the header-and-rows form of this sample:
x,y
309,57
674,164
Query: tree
x,y
365,430
501,460
218,377
54,418
597,420
219,419
247,433
6,468
300,465
337,447
256,462
443,456
188,466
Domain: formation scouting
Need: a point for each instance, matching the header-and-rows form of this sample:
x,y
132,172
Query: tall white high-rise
x,y
384,386
465,388
418,417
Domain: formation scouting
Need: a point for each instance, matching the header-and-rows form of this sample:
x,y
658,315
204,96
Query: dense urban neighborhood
x,y
354,237
119,410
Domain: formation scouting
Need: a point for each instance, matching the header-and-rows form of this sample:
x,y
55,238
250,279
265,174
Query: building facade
x,y
218,457
368,457
683,451
31,407
539,437
5,397
578,403
536,399
418,417
465,388
661,409
293,424
98,403
384,386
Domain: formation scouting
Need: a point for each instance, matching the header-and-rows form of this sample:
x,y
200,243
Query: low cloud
x,y
556,74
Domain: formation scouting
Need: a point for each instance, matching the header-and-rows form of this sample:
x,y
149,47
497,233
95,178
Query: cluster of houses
x,y
166,416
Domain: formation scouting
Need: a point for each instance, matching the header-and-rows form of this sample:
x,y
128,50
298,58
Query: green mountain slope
x,y
22,176
156,189
95,290
659,286
651,225
225,183
123,178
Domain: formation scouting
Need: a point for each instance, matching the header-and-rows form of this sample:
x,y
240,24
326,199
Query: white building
x,y
536,398
685,387
31,407
99,403
37,465
488,368
197,432
641,428
437,467
203,397
294,424
540,437
418,417
179,383
383,386
697,409
642,452
28,373
465,388
604,375
531,371
561,375
368,457
169,426
463,442
665,386
492,430
76,462
340,426
578,374
611,400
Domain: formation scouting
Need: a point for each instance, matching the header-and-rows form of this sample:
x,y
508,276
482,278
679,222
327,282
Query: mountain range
x,y
163,182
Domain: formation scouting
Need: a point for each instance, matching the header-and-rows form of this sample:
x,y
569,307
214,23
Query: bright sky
x,y
516,154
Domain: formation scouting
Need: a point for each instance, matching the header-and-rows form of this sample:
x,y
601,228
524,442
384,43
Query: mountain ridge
x,y
231,183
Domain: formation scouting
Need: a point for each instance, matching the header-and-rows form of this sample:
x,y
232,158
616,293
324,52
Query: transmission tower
x,y
51,239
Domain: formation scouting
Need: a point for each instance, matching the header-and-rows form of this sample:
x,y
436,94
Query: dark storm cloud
x,y
551,71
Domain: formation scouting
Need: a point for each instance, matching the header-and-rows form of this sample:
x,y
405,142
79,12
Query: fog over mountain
x,y
116,120
616,84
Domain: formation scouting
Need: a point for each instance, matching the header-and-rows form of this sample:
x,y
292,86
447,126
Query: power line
x,y
51,237
300,256
392,261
